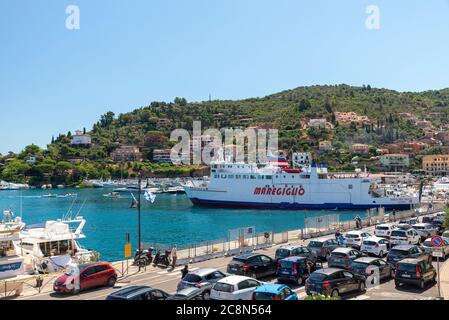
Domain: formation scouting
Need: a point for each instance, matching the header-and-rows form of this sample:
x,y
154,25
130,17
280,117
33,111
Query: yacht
x,y
11,261
50,247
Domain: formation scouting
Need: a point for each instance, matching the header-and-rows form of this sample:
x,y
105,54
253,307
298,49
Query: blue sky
x,y
129,53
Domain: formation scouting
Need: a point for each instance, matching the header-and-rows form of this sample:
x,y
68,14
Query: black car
x,y
439,226
334,282
403,251
138,293
252,265
416,272
295,250
190,293
367,266
323,247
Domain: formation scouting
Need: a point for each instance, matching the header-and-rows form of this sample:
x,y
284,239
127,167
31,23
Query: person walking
x,y
174,256
394,215
184,271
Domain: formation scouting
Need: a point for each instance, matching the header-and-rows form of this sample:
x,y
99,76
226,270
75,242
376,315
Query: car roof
x,y
410,261
203,271
130,291
328,271
270,288
366,259
246,256
385,225
356,232
342,250
291,247
294,258
403,247
373,238
188,291
233,279
422,225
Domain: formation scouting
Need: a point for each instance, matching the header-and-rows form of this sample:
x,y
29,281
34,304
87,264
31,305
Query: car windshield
x,y
287,264
427,219
382,228
359,265
317,277
407,267
191,277
419,227
398,233
282,253
264,296
338,254
223,287
427,243
315,244
398,253
71,270
369,243
353,236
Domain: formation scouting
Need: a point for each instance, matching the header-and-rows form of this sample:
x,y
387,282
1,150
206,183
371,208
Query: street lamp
x,y
138,216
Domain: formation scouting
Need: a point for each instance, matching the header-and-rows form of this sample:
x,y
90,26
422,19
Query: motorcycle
x,y
143,259
162,259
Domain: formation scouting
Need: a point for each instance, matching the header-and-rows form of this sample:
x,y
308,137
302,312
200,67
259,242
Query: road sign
x,y
128,249
437,254
437,241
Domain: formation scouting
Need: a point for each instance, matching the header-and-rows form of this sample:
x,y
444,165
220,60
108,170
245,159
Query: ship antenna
x,y
81,208
70,209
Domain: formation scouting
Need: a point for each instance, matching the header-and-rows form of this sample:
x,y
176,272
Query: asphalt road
x,y
168,280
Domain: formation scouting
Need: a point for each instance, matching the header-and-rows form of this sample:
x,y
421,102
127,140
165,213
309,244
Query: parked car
x,y
295,250
234,288
334,282
410,221
425,230
404,251
429,248
366,266
427,219
439,226
401,236
138,293
440,215
323,247
296,269
355,238
203,278
253,265
375,246
342,257
415,272
384,230
274,292
190,293
88,276
445,234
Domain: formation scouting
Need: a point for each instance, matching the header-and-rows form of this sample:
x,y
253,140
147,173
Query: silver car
x,y
425,230
428,247
203,279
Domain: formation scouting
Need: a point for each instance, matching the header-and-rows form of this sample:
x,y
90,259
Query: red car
x,y
88,276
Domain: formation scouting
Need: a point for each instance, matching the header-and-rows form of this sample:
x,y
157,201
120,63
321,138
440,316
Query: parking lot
x,y
167,281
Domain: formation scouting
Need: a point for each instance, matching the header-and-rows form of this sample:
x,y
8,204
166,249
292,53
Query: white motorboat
x,y
50,247
11,261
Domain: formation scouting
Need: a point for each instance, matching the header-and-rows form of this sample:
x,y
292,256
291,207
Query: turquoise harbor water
x,y
171,219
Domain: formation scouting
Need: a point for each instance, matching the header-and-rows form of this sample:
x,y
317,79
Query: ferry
x,y
276,185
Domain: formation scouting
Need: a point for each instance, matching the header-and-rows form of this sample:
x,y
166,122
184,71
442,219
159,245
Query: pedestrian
x,y
394,215
184,271
174,256
337,234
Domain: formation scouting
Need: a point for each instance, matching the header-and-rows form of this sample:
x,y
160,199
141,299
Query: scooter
x,y
162,259
144,259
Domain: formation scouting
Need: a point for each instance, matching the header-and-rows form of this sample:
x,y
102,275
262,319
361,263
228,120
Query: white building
x,y
80,139
31,160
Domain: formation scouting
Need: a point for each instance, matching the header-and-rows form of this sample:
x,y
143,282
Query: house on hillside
x,y
80,139
360,148
126,153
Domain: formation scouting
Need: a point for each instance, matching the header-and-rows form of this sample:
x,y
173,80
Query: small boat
x,y
11,262
112,195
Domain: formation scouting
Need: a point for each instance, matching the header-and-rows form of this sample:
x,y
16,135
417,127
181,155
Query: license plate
x,y
406,276
313,292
